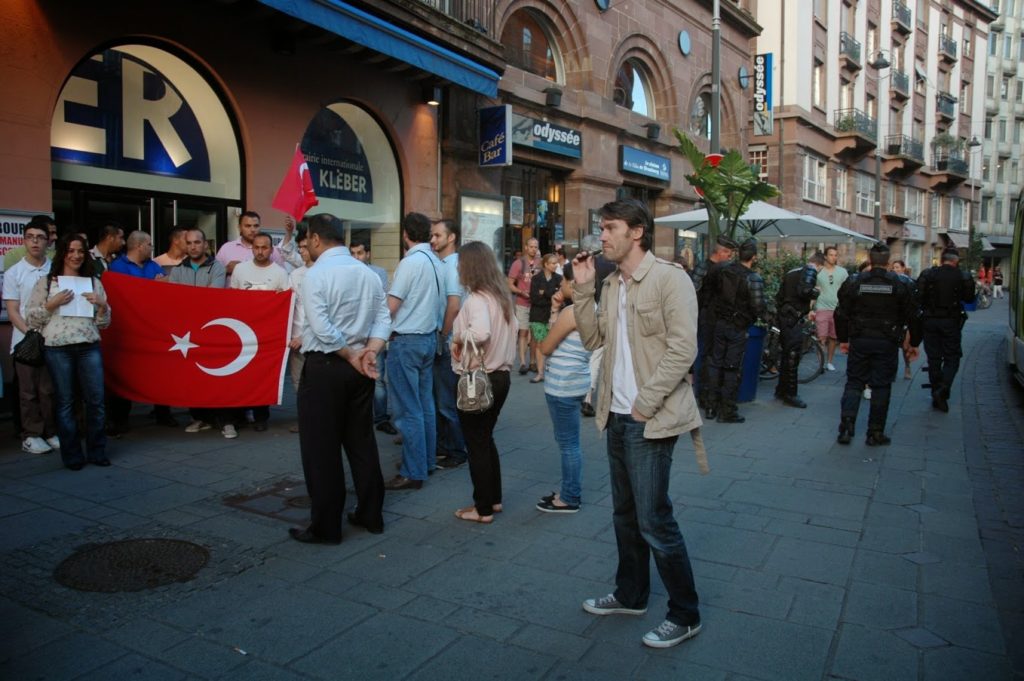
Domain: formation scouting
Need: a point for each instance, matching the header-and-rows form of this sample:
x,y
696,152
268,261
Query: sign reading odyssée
x,y
495,126
546,136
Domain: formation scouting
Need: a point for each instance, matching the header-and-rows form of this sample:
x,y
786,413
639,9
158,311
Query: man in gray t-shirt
x,y
830,278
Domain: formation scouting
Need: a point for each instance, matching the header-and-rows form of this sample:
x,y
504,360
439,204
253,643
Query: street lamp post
x,y
878,63
972,146
716,78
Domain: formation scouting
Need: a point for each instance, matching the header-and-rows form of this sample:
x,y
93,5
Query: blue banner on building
x,y
640,162
336,159
495,129
546,136
763,117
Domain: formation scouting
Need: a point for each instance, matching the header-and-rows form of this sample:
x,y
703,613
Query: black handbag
x,y
29,349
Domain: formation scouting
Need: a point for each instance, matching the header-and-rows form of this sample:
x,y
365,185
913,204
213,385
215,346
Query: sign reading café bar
x,y
495,129
546,136
640,162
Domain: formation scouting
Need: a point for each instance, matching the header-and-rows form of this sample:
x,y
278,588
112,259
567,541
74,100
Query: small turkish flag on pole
x,y
189,346
295,196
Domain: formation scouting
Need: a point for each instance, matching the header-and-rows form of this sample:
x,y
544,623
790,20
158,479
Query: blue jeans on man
x,y
450,441
380,390
565,421
411,380
79,368
644,523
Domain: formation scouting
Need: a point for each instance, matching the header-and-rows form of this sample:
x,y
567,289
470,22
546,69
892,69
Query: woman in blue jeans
x,y
567,383
73,351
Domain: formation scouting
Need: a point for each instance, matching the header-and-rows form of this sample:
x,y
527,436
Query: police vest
x,y
875,305
942,290
732,294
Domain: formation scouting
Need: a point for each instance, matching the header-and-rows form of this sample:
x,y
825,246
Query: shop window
x,y
529,47
700,116
633,89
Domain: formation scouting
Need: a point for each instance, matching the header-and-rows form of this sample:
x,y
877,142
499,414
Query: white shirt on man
x,y
250,276
18,284
624,390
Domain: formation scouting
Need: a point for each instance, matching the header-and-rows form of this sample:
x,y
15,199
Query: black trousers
x,y
791,340
942,345
484,464
335,405
726,360
872,362
705,337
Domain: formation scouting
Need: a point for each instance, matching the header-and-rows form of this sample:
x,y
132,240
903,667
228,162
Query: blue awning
x,y
378,34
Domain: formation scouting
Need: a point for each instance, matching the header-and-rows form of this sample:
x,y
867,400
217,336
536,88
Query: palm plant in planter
x,y
728,187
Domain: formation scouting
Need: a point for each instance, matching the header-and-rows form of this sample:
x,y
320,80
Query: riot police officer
x,y
725,249
792,303
737,300
876,310
943,289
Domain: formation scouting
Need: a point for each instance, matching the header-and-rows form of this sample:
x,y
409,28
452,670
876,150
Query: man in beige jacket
x,y
647,323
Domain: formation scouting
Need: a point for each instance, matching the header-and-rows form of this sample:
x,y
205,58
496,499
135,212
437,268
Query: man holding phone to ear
x,y
648,327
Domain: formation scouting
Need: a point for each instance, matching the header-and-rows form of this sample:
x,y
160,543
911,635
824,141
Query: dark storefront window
x,y
541,190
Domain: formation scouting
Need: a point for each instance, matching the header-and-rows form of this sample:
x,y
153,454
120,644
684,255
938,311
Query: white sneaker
x,y
229,432
830,366
53,441
197,426
867,393
35,445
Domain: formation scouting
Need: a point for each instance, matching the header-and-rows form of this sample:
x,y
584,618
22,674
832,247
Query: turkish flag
x,y
189,346
295,196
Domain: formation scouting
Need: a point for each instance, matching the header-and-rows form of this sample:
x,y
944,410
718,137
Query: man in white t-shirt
x,y
35,389
260,274
295,279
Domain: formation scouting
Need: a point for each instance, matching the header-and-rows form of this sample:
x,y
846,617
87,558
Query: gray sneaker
x,y
668,634
609,605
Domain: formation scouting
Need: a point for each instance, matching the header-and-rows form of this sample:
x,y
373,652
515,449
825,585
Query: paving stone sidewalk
x,y
813,560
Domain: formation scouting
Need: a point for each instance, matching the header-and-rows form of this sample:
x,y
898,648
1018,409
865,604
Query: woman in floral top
x,y
73,351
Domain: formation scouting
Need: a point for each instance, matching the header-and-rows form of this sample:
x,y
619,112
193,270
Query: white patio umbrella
x,y
768,223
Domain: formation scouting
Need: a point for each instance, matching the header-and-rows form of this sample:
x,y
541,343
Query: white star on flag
x,y
183,344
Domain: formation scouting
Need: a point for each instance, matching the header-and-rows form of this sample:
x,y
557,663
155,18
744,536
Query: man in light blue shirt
x,y
360,248
347,322
451,445
415,300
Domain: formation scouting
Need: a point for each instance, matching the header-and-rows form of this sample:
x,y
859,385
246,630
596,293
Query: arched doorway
x,y
140,137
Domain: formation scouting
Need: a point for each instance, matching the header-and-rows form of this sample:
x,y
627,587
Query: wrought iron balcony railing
x,y
855,120
902,145
849,47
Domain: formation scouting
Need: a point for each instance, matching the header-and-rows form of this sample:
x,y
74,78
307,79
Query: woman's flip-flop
x,y
469,513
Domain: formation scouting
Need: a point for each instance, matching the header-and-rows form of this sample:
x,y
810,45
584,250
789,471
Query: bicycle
x,y
984,300
812,355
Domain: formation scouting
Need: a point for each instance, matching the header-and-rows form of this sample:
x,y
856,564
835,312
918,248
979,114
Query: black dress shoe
x,y
793,401
104,462
400,482
307,537
386,427
75,466
259,426
730,418
168,421
448,463
353,519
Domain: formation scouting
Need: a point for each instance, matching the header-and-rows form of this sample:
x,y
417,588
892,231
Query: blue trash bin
x,y
971,306
751,374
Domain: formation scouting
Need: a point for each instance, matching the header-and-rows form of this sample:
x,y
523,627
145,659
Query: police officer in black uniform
x,y
737,300
792,303
876,310
725,249
943,290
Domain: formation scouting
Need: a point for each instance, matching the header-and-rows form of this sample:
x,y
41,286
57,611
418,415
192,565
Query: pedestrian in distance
x,y
520,276
543,286
900,268
943,290
830,278
876,310
647,324
488,318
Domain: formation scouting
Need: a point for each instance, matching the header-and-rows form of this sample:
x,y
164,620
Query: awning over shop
x,y
958,239
378,34
986,245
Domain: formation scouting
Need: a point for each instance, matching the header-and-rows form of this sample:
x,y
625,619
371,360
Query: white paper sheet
x,y
79,306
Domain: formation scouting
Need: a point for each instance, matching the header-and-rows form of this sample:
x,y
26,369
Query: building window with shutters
x,y
815,179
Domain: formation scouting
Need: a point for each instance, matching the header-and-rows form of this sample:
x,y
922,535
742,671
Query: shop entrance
x,y
541,190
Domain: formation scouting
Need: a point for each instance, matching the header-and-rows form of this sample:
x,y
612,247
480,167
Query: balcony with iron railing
x,y
946,161
899,83
902,18
947,48
849,50
945,105
903,145
476,14
855,121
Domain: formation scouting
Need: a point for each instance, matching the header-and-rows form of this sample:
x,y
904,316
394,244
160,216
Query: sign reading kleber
x,y
546,136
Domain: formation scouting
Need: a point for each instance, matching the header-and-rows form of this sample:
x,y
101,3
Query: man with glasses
x,y
46,223
830,279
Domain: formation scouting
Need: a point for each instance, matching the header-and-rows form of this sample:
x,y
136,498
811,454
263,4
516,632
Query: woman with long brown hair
x,y
488,317
72,351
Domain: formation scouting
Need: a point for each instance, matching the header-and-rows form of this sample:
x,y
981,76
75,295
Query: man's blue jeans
x,y
411,382
380,389
79,366
450,440
643,520
565,421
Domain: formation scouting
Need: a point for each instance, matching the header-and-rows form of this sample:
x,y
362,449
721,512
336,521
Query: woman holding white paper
x,y
72,334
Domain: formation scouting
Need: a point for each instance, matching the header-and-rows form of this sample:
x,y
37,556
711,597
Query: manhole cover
x,y
299,502
131,565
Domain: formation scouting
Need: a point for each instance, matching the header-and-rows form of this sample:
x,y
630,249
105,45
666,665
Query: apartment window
x,y
1013,209
871,43
1020,50
985,169
988,128
933,211
921,14
865,194
1007,47
965,98
871,107
842,178
984,210
920,82
990,86
1002,129
846,95
1004,89
1017,128
1000,177
998,216
820,7
1009,8
915,205
968,39
815,179
1019,92
957,216
759,157
818,84
993,45
1014,171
